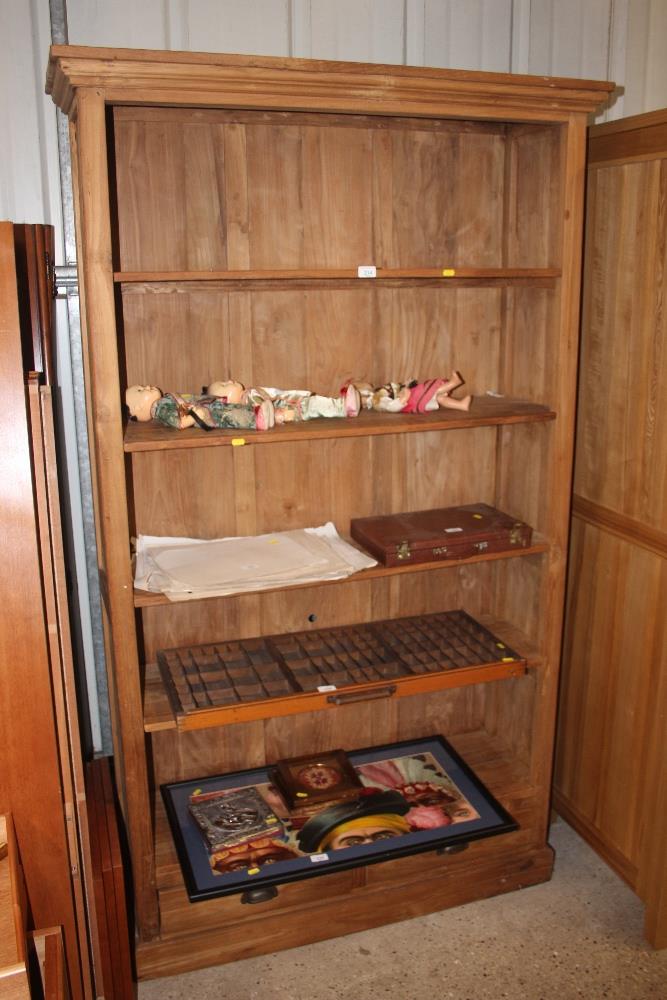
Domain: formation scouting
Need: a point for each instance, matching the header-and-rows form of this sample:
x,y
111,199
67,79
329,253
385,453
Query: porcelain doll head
x,y
140,400
231,391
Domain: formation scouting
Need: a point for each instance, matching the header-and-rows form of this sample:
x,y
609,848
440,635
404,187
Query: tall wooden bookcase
x,y
224,206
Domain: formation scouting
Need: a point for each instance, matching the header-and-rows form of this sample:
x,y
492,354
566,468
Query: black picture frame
x,y
472,815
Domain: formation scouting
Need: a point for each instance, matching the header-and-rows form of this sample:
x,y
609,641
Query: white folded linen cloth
x,y
189,568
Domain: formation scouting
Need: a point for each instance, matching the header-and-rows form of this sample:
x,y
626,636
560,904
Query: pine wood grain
x,y
146,77
95,239
28,724
247,191
610,775
485,412
226,919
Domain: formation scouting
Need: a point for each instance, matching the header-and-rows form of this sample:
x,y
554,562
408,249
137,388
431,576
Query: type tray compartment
x,y
301,671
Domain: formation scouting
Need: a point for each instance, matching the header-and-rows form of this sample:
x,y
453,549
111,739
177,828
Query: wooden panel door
x,y
32,784
611,771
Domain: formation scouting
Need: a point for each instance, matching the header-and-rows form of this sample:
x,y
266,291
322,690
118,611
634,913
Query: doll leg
x,y
453,382
449,403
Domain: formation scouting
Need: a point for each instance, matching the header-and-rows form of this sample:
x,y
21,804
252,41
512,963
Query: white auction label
x,y
319,857
366,271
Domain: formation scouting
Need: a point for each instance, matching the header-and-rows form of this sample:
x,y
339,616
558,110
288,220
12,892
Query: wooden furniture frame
x,y
42,770
15,979
224,205
611,764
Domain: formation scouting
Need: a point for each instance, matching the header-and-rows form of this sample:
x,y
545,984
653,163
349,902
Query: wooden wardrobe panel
x,y
450,329
27,712
152,223
310,196
528,357
622,430
608,694
316,338
155,317
534,191
450,224
524,474
303,195
520,594
610,766
179,756
202,493
188,494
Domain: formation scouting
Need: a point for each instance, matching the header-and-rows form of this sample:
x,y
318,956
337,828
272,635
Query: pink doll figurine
x,y
411,397
434,394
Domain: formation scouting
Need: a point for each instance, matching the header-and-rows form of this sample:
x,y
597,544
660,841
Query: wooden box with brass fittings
x,y
444,533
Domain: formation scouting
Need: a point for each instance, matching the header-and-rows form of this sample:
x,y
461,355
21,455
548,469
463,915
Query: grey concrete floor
x,y
578,936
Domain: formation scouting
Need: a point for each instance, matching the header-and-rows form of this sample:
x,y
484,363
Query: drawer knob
x,y
262,895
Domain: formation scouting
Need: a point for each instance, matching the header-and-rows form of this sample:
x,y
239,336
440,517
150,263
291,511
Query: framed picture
x,y
235,832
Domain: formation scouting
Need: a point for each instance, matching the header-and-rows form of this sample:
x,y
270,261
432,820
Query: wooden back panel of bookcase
x,y
274,192
221,191
263,192
244,195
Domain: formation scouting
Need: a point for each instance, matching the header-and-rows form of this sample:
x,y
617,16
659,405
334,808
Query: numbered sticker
x,y
367,271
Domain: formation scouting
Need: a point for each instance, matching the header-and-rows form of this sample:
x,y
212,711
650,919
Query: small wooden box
x,y
440,534
323,778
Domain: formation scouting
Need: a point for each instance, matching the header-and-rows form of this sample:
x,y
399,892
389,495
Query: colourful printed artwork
x,y
235,831
398,796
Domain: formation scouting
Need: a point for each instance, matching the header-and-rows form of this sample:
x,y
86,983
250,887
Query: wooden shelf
x,y
485,411
159,714
442,274
146,599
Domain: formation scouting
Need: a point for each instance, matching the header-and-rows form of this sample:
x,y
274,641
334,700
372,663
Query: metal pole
x,y
68,288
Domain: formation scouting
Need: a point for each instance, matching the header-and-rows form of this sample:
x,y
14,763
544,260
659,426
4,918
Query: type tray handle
x,y
348,697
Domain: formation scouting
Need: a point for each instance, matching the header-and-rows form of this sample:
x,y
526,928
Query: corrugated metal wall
x,y
624,40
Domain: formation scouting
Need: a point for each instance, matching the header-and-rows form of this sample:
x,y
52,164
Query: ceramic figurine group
x,y
231,405
414,396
